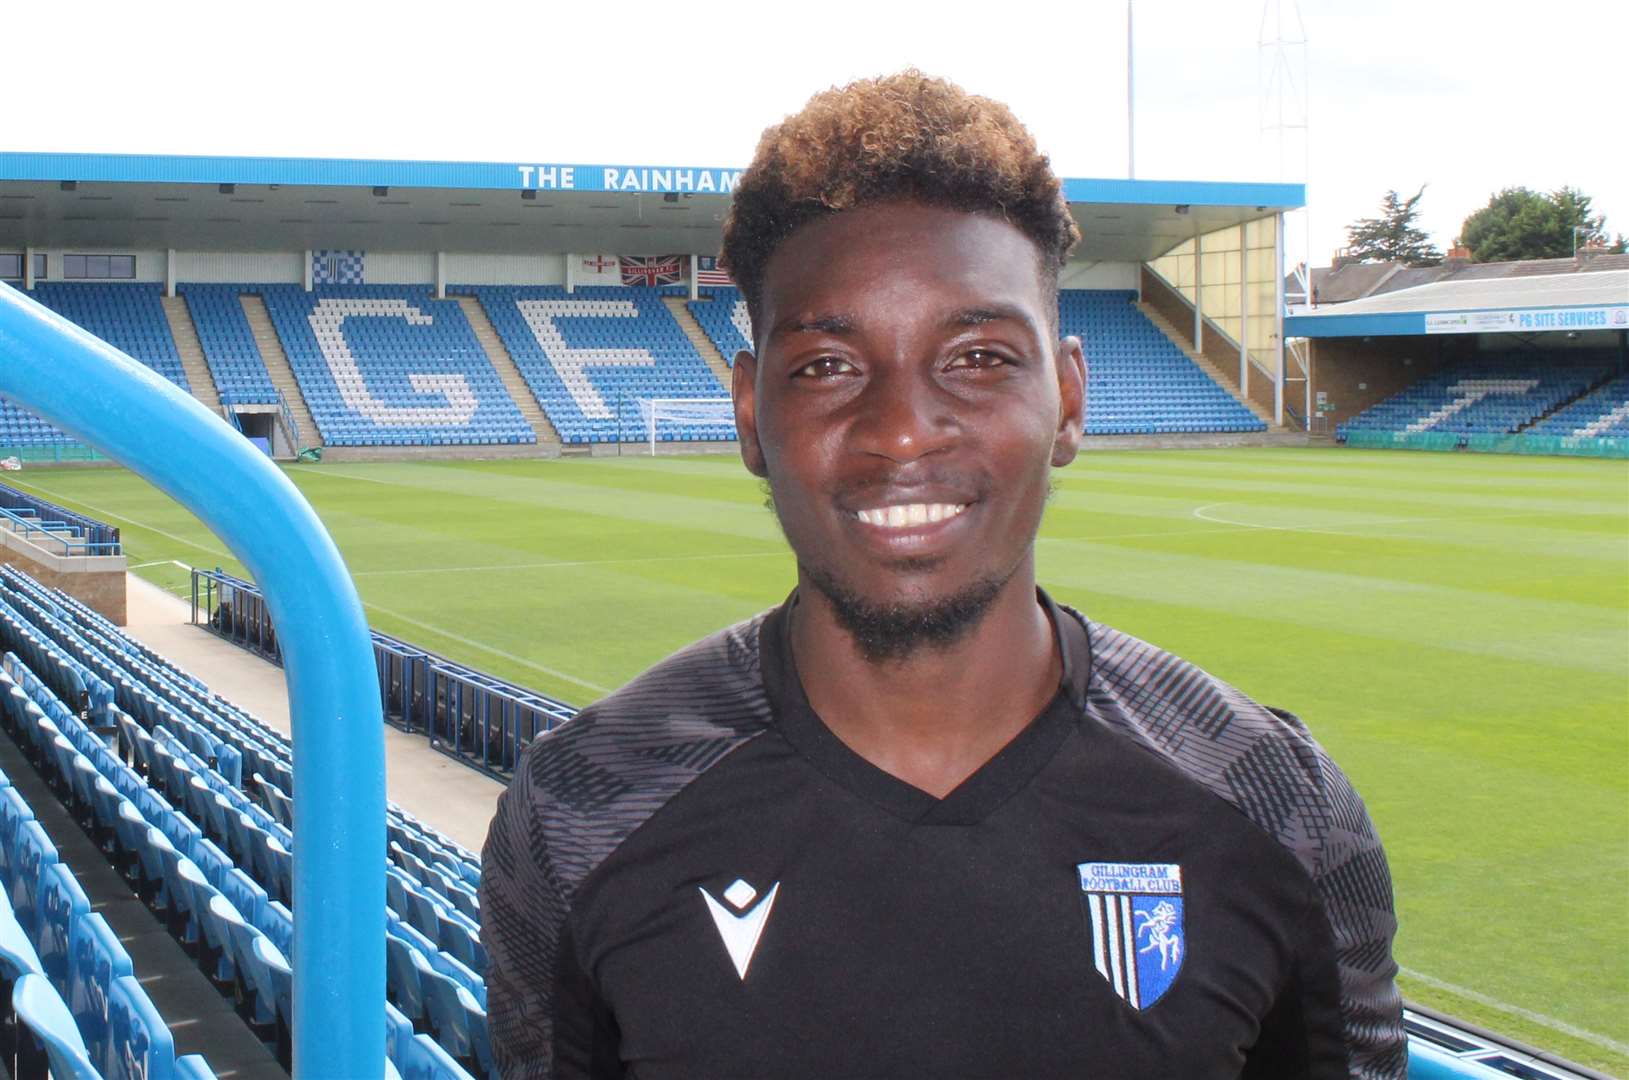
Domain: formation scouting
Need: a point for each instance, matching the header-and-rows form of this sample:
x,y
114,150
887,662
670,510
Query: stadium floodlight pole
x,y
1131,98
102,397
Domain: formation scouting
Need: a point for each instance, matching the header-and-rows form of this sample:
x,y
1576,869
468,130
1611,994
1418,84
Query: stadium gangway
x,y
102,397
137,417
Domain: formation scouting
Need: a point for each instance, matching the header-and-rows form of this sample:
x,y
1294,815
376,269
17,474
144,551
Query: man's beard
x,y
893,631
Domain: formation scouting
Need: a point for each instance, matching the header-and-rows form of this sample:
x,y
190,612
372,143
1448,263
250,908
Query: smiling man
x,y
920,820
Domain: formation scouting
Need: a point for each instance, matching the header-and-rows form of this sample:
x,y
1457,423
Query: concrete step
x,y
1227,380
508,373
277,366
192,352
698,337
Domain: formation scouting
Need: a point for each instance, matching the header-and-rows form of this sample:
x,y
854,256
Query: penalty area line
x,y
1202,513
576,562
1539,1018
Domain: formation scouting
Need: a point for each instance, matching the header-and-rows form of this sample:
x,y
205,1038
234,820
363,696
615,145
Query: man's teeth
x,y
900,516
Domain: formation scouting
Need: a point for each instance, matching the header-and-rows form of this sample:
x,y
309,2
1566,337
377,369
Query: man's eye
x,y
977,358
826,366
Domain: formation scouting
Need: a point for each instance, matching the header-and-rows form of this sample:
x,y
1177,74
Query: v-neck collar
x,y
990,785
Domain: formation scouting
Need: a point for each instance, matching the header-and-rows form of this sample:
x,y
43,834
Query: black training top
x,y
1157,878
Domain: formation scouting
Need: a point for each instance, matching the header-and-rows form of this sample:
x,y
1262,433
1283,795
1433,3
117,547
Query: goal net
x,y
696,418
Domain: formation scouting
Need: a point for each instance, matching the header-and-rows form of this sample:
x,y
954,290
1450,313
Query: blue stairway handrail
x,y
137,417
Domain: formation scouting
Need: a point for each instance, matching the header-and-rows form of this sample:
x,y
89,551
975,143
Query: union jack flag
x,y
709,272
652,269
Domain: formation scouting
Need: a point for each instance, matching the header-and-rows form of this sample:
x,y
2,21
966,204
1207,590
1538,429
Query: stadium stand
x,y
590,355
1603,412
389,366
1138,381
229,346
188,797
21,428
129,317
1486,396
724,319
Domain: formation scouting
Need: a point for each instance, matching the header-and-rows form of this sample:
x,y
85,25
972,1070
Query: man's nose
x,y
904,415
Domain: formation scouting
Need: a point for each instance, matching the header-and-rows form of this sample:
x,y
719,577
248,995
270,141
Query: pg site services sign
x,y
1528,320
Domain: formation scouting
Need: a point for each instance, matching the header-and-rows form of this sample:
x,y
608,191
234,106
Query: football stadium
x,y
450,447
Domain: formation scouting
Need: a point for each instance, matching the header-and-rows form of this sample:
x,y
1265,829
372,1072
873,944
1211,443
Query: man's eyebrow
x,y
818,324
978,316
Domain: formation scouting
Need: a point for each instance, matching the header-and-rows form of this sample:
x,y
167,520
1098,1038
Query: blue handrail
x,y
104,398
65,535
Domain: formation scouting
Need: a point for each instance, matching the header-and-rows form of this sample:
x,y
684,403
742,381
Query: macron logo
x,y
740,931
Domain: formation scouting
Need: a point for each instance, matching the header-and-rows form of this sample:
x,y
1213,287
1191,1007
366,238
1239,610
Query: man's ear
x,y
744,391
1070,361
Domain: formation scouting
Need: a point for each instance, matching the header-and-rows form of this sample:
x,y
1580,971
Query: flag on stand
x,y
708,272
599,269
653,269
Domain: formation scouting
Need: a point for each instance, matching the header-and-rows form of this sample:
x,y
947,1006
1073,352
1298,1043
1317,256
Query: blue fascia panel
x,y
548,176
1186,192
1385,324
344,172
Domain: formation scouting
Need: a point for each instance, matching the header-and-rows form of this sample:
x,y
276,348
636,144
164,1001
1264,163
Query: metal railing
x,y
289,422
34,514
477,718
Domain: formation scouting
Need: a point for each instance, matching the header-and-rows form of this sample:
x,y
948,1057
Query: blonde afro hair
x,y
904,136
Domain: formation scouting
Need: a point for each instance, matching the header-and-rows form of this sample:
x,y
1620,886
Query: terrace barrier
x,y
468,715
76,533
1519,443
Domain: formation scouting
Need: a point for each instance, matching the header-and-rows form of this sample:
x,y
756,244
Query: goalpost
x,y
716,413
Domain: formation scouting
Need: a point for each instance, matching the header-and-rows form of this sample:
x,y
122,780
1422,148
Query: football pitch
x,y
1454,628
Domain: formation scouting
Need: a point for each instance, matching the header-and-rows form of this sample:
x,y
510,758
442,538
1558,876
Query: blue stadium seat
x,y
95,959
404,983
424,1059
139,1041
61,903
42,1013
33,852
17,954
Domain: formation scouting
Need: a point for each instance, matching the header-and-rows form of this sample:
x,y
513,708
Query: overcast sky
x,y
1464,96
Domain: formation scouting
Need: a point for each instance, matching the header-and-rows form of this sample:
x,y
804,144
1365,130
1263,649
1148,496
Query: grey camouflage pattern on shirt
x,y
581,790
1267,765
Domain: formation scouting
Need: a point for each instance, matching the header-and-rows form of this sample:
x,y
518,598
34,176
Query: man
x,y
919,820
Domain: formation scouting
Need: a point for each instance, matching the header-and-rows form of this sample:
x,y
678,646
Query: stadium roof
x,y
1347,281
260,203
1597,300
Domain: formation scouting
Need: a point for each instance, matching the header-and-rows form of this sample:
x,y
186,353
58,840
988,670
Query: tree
x,y
1393,236
1519,223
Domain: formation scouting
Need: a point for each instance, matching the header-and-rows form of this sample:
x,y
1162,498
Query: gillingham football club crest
x,y
1134,913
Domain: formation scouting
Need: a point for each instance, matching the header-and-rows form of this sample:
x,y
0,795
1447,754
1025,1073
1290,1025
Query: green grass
x,y
1454,628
